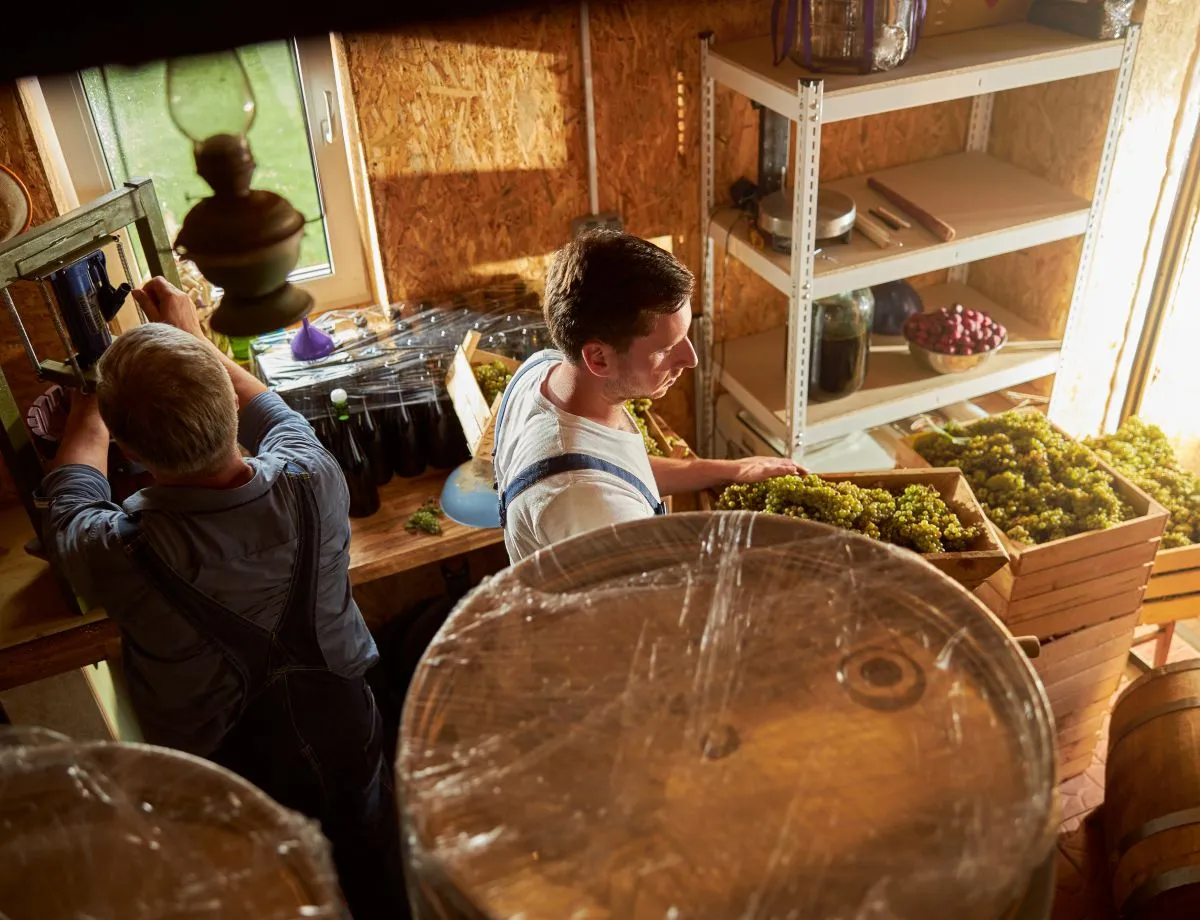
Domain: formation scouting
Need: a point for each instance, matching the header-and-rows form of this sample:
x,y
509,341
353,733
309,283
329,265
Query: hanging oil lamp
x,y
245,241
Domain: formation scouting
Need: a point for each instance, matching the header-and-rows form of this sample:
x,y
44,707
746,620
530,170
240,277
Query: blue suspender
x,y
563,463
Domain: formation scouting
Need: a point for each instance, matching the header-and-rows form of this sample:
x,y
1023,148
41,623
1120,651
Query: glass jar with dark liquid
x,y
841,344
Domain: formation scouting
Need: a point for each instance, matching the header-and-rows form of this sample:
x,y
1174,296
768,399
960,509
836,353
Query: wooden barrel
x,y
138,832
1152,795
706,716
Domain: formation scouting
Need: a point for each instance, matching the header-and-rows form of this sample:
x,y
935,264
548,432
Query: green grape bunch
x,y
1035,484
426,519
914,517
640,410
1143,452
493,379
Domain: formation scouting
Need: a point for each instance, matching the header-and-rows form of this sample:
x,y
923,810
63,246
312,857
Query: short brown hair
x,y
609,287
167,396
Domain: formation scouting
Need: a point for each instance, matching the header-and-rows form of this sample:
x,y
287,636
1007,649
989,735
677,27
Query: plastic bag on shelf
x,y
725,715
134,832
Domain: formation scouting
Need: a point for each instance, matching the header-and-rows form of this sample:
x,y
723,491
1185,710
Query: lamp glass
x,y
210,94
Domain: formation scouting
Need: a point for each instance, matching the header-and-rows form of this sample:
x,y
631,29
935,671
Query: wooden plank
x,y
1053,670
1173,584
1074,724
1076,765
1170,609
1085,697
1075,730
1098,590
83,644
1068,694
477,417
1176,558
1013,587
1062,622
1082,641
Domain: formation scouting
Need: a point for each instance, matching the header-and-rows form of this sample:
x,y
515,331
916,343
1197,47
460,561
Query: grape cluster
x,y
426,519
1142,452
492,378
640,410
1034,483
915,518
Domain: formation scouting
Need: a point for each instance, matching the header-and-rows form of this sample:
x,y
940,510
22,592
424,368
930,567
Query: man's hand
x,y
85,439
676,477
756,469
162,302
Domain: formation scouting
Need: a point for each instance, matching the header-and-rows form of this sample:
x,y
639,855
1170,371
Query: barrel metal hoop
x,y
1166,670
1188,702
1159,884
1167,822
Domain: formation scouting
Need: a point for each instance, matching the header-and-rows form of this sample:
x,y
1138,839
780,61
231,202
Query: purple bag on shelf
x,y
846,36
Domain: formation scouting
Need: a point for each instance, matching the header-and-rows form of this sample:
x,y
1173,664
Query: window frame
x,y
349,283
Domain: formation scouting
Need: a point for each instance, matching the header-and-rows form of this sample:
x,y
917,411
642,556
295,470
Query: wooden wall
x,y
18,151
475,145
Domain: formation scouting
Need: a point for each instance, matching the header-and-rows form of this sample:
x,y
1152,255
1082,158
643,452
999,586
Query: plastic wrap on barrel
x,y
724,715
113,831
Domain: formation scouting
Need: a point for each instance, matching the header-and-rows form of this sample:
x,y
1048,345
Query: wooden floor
x,y
1082,875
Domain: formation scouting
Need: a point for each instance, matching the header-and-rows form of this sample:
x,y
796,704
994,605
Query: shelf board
x,y
946,67
994,208
752,369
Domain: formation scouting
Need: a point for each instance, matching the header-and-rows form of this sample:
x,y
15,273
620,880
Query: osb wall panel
x,y
1056,132
474,140
19,152
473,146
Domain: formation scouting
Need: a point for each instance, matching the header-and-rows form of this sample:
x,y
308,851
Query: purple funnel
x,y
310,343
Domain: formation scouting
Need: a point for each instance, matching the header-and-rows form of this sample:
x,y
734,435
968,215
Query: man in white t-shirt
x,y
569,457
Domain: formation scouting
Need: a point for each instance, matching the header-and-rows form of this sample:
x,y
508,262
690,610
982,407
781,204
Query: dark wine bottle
x,y
405,439
371,437
447,445
325,430
354,461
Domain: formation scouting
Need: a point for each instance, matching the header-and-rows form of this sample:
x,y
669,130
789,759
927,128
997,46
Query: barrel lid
x,y
732,715
135,832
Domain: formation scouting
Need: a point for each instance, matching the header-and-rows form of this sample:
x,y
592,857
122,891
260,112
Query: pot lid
x,y
732,715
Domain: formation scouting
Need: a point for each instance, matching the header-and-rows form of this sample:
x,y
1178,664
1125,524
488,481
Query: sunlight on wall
x,y
537,265
1170,398
497,109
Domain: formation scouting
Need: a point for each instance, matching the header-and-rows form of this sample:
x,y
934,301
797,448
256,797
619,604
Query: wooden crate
x,y
477,417
970,568
1174,589
1082,596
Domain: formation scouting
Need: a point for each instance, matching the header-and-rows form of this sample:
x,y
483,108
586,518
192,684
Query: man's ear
x,y
599,359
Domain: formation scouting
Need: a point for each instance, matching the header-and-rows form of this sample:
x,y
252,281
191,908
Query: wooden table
x,y
380,546
40,634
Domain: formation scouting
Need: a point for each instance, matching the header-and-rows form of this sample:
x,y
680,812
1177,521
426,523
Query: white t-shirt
x,y
574,502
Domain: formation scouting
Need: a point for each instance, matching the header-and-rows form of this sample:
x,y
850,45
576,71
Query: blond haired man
x,y
229,580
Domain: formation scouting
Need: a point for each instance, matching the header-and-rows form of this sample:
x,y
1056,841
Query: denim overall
x,y
309,738
561,463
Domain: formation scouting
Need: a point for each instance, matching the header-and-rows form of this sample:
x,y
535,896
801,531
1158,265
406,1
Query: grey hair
x,y
166,395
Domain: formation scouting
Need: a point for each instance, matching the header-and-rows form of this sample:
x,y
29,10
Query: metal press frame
x,y
34,254
808,118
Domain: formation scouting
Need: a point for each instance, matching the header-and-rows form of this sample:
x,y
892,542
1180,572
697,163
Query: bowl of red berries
x,y
953,339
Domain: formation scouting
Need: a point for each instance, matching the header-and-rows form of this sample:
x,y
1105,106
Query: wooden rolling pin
x,y
935,225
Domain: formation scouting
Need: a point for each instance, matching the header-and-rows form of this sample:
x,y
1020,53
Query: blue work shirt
x,y
235,545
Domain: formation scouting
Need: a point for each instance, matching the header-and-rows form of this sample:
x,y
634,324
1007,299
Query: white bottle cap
x,y
338,396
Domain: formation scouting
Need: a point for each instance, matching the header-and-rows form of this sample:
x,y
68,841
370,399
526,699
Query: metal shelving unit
x,y
996,208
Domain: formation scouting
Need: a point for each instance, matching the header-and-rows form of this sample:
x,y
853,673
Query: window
x,y
112,124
